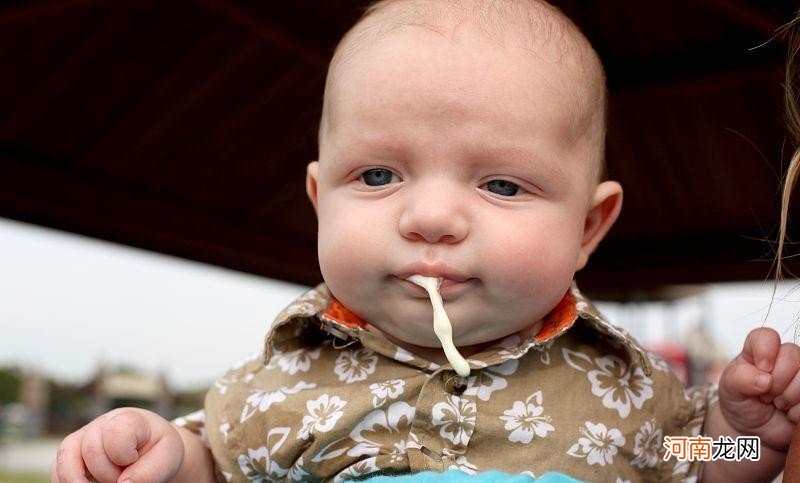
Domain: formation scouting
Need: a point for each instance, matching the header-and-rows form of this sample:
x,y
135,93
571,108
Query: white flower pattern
x,y
385,390
323,413
619,385
297,472
455,419
485,381
379,425
197,420
399,449
225,428
524,420
543,350
261,400
355,365
598,445
463,465
361,468
647,445
295,361
258,466
221,385
657,362
700,398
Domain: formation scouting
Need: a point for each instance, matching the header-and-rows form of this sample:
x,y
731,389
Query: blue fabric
x,y
455,476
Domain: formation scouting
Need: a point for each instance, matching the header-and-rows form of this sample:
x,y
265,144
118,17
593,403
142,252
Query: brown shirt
x,y
329,400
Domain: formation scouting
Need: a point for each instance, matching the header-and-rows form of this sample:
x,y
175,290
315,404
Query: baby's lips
x,y
423,280
433,270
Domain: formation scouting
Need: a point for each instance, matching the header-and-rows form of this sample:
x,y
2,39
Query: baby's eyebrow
x,y
373,144
519,158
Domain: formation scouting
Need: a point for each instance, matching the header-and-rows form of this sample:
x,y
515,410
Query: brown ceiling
x,y
184,127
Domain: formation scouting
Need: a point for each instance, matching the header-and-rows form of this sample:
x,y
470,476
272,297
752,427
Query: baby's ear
x,y
603,212
311,182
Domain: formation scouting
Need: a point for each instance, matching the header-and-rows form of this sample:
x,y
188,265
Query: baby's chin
x,y
422,335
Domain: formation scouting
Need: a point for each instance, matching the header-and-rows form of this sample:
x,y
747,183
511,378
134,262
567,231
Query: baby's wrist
x,y
719,425
768,465
196,462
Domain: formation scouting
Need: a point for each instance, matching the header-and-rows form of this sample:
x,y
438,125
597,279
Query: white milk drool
x,y
441,323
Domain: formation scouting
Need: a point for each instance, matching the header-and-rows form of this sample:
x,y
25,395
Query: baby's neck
x,y
436,354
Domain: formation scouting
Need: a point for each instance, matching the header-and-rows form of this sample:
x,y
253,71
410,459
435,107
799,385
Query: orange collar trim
x,y
340,314
557,321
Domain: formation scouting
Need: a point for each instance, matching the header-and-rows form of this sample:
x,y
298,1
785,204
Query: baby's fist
x,y
123,445
759,391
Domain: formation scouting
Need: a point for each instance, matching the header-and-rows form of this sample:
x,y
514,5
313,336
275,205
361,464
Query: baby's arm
x,y
759,395
131,445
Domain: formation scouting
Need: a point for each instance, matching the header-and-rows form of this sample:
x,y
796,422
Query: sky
x,y
69,303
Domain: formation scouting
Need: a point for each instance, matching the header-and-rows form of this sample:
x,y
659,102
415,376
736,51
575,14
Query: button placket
x,y
426,435
453,383
453,416
443,422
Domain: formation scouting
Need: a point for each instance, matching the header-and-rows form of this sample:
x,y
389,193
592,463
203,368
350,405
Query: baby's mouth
x,y
448,288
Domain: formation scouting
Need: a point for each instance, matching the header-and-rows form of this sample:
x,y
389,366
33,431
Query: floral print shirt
x,y
328,400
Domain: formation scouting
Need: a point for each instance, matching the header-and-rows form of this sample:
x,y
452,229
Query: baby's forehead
x,y
533,25
537,30
534,31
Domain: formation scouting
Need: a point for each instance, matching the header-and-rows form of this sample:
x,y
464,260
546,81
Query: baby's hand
x,y
759,391
123,444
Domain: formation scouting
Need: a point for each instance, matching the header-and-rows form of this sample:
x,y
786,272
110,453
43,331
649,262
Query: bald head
x,y
534,27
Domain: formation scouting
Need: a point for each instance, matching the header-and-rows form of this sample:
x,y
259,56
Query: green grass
x,y
23,478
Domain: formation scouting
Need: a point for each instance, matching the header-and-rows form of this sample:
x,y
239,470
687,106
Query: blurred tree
x,y
10,384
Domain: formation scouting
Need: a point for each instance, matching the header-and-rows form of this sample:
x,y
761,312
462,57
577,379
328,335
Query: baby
x,y
462,142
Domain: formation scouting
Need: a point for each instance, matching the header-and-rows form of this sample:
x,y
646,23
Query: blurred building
x,y
32,404
112,388
35,397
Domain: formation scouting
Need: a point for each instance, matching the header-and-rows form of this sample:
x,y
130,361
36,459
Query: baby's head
x,y
461,140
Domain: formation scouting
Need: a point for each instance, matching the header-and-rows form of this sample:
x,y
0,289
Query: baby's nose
x,y
439,218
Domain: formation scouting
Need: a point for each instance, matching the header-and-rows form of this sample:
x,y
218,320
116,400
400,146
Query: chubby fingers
x,y
124,434
113,442
153,465
155,451
786,385
749,374
761,348
68,466
94,455
742,381
124,444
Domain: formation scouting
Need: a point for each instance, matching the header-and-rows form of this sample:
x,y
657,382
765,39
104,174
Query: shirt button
x,y
453,383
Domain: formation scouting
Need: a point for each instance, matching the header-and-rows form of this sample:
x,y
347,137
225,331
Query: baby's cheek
x,y
537,267
347,251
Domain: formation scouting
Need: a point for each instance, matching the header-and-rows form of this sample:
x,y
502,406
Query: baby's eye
x,y
501,187
378,177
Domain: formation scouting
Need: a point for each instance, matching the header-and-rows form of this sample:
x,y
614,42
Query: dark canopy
x,y
184,127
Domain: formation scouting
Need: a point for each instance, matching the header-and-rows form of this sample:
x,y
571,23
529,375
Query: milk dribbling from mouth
x,y
441,323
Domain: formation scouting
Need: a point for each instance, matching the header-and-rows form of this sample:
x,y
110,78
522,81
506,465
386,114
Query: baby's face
x,y
452,159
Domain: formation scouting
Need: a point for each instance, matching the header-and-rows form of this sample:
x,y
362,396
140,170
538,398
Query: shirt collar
x,y
318,308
